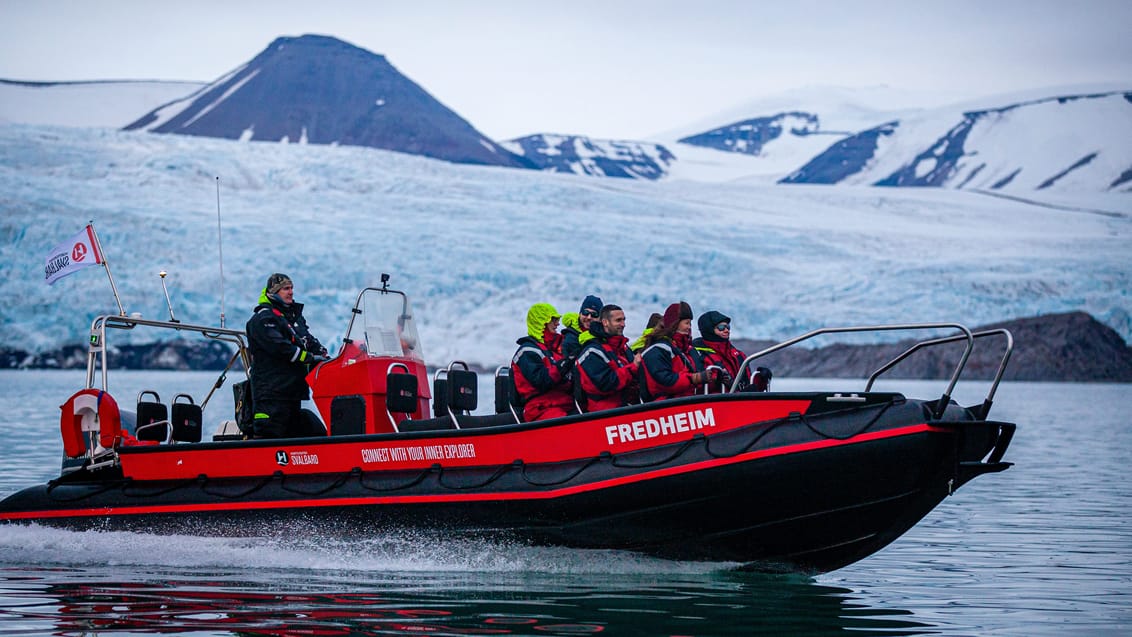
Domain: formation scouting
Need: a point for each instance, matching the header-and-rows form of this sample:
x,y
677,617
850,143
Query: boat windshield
x,y
386,326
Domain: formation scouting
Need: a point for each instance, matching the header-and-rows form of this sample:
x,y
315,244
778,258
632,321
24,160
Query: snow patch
x,y
220,100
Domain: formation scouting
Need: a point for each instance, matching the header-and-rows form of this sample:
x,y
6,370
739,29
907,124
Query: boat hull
x,y
815,487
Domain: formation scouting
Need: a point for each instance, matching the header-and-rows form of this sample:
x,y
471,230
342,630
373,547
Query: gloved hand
x,y
725,379
311,358
565,368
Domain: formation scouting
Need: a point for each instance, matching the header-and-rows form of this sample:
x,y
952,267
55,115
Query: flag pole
x,y
106,264
220,243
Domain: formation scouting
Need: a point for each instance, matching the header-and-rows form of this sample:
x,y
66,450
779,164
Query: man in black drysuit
x,y
282,351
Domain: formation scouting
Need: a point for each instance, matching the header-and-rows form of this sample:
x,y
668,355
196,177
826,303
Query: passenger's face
x,y
287,294
585,317
615,324
723,330
684,326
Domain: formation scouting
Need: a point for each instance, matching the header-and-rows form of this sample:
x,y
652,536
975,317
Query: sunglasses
x,y
723,327
589,313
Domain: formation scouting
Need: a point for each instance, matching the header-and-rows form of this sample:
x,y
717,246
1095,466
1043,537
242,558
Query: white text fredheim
x,y
662,426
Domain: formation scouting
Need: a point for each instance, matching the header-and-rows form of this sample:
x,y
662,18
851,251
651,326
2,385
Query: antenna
x,y
220,243
168,303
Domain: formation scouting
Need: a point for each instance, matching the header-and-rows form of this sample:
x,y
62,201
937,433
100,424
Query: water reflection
x,y
725,603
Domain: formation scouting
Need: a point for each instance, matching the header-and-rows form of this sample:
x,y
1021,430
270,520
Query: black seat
x,y
401,393
506,396
493,420
463,391
187,417
429,424
439,396
152,418
347,415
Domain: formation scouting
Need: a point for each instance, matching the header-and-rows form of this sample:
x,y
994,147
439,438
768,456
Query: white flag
x,y
74,254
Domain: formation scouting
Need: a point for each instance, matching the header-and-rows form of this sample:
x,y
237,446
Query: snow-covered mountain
x,y
476,245
320,90
108,103
752,135
1075,141
598,157
764,140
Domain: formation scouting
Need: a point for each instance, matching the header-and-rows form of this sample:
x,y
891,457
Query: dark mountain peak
x,y
312,45
320,90
588,156
750,135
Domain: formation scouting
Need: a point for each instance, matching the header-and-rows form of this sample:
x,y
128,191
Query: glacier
x,y
474,246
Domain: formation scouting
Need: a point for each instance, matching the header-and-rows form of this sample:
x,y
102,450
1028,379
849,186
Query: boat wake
x,y
407,551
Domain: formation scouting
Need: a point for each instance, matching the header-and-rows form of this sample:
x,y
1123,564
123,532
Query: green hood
x,y
640,342
570,320
537,318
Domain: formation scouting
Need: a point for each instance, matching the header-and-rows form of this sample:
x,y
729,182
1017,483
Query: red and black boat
x,y
801,480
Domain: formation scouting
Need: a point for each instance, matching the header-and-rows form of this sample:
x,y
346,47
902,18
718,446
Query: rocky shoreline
x,y
1070,347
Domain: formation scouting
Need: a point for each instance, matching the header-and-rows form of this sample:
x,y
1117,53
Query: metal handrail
x,y
943,401
707,386
96,351
985,409
388,372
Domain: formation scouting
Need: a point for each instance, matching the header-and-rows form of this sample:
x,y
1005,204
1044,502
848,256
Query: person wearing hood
x,y
714,348
639,344
282,351
669,368
576,331
607,368
542,375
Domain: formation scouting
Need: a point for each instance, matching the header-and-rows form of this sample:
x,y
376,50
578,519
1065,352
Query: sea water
x,y
1044,548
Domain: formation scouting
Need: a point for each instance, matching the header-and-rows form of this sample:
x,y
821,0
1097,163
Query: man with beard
x,y
283,350
607,368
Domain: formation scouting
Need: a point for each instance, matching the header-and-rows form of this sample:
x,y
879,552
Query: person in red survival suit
x,y
714,347
607,368
543,377
669,368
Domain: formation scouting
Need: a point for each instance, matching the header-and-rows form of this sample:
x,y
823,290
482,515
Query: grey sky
x,y
612,68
